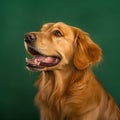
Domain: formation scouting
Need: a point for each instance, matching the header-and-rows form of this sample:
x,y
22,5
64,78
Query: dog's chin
x,y
32,69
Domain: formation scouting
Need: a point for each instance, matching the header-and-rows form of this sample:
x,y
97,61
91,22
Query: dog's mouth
x,y
40,61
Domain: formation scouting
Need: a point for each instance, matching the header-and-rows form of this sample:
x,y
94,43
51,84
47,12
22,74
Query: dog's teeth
x,y
36,62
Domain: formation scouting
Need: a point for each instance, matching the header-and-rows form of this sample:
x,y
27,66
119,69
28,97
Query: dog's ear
x,y
87,53
46,26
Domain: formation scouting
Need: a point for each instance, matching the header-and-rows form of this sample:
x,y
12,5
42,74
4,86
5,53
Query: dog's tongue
x,y
41,61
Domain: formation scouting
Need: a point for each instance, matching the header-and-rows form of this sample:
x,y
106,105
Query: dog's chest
x,y
53,105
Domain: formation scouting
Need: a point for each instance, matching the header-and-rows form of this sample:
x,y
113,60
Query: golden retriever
x,y
67,87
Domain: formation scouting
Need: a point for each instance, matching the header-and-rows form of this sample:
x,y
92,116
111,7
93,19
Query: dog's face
x,y
57,45
51,47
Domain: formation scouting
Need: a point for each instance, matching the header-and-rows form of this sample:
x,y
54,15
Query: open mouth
x,y
40,61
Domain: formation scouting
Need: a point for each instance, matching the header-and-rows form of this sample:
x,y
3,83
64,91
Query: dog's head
x,y
57,45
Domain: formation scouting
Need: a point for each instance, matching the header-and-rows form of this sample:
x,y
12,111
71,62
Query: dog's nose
x,y
29,37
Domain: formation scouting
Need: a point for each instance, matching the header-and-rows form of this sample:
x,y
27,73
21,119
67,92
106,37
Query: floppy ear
x,y
87,53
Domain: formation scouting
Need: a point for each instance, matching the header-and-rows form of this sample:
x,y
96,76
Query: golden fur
x,y
69,90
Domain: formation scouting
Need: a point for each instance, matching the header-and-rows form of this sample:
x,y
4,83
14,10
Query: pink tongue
x,y
37,60
48,60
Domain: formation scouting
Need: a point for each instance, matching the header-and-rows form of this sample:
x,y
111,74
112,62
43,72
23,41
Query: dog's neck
x,y
60,80
57,85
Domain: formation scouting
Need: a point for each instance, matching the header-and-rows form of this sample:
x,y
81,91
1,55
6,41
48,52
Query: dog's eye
x,y
57,33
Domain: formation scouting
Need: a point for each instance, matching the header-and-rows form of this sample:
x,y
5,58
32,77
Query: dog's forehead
x,y
62,25
59,25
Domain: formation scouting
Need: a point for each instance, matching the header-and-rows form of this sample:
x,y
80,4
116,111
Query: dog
x,y
67,87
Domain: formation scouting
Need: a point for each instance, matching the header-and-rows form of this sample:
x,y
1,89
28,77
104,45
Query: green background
x,y
99,18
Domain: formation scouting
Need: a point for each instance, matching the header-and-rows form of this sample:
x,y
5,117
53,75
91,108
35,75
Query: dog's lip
x,y
40,60
33,52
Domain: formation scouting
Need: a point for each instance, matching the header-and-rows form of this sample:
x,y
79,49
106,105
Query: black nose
x,y
29,37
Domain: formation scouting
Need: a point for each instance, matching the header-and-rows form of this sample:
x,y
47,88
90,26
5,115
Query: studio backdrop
x,y
101,19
